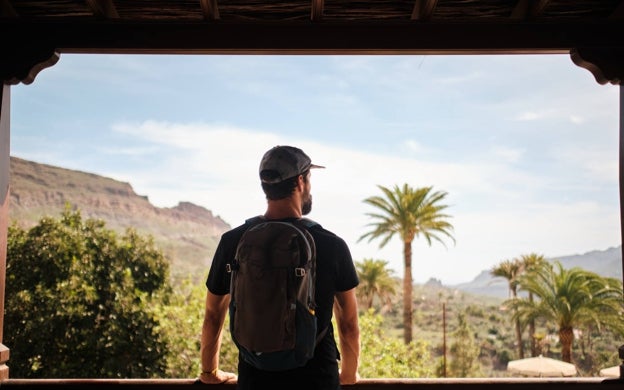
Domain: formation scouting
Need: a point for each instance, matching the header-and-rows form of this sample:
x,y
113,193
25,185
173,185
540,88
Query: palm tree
x,y
530,263
375,281
572,298
511,270
409,213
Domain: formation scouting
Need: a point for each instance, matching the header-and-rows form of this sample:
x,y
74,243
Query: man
x,y
285,179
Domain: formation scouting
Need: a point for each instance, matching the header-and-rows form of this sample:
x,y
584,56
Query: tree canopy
x,y
375,281
409,213
79,301
570,298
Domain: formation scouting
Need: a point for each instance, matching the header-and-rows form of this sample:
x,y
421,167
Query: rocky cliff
x,y
187,233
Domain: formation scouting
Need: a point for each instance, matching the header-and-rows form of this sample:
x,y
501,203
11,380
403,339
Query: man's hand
x,y
217,377
348,379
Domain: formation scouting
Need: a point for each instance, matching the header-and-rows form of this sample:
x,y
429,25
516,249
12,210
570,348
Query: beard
x,y
306,207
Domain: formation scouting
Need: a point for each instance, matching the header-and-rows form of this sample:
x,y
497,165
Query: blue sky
x,y
525,146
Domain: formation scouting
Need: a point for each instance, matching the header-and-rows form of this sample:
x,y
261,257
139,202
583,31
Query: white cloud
x,y
510,155
414,147
530,116
216,166
595,163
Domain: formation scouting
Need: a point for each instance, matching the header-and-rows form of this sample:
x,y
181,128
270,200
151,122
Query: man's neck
x,y
283,208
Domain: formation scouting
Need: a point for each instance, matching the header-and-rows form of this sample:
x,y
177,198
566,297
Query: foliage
x,y
511,270
375,282
79,301
181,321
408,213
388,357
382,355
569,299
464,351
531,263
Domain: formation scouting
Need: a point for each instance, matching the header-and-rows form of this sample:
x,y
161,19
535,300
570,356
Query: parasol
x,y
541,366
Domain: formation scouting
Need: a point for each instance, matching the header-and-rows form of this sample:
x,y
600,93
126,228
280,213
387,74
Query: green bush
x,y
389,357
79,301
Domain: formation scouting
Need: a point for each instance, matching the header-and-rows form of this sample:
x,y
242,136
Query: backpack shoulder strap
x,y
307,222
233,265
255,220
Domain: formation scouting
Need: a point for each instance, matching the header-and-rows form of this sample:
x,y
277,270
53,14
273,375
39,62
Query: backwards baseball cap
x,y
283,162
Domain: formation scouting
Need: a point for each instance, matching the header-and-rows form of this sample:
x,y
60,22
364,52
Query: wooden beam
x,y
528,9
103,8
22,65
316,13
521,10
210,9
618,12
7,10
423,9
537,7
605,63
577,383
306,38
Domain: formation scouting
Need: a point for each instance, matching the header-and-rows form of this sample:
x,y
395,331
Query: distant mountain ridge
x,y
606,263
187,233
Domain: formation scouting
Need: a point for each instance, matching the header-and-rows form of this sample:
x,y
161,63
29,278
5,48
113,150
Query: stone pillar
x,y
5,106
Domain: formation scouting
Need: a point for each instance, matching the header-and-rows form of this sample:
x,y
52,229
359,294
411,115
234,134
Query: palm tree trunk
x,y
532,335
407,293
519,340
532,331
518,329
566,338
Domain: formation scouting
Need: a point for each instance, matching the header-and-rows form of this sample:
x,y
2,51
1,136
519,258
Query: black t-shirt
x,y
335,272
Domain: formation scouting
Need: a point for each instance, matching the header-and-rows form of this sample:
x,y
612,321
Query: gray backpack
x,y
272,307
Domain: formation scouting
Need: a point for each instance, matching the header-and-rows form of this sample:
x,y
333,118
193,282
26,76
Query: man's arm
x,y
346,313
214,316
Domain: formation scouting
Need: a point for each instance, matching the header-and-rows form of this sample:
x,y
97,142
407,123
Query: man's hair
x,y
284,188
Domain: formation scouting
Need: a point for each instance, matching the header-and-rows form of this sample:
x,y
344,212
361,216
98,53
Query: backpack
x,y
272,285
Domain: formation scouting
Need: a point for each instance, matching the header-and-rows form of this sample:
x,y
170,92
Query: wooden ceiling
x,y
33,34
315,10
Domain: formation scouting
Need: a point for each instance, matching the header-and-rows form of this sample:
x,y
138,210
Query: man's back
x,y
285,177
334,273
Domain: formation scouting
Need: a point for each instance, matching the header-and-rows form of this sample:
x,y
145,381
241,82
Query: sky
x,y
524,146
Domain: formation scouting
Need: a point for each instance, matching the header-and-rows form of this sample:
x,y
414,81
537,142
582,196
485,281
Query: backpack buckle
x,y
300,272
228,268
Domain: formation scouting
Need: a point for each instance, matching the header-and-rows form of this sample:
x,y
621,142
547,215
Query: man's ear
x,y
300,183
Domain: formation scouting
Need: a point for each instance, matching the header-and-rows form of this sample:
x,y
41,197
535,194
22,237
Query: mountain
x,y
187,233
607,263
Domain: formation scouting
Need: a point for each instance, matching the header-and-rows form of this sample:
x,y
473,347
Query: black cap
x,y
283,162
